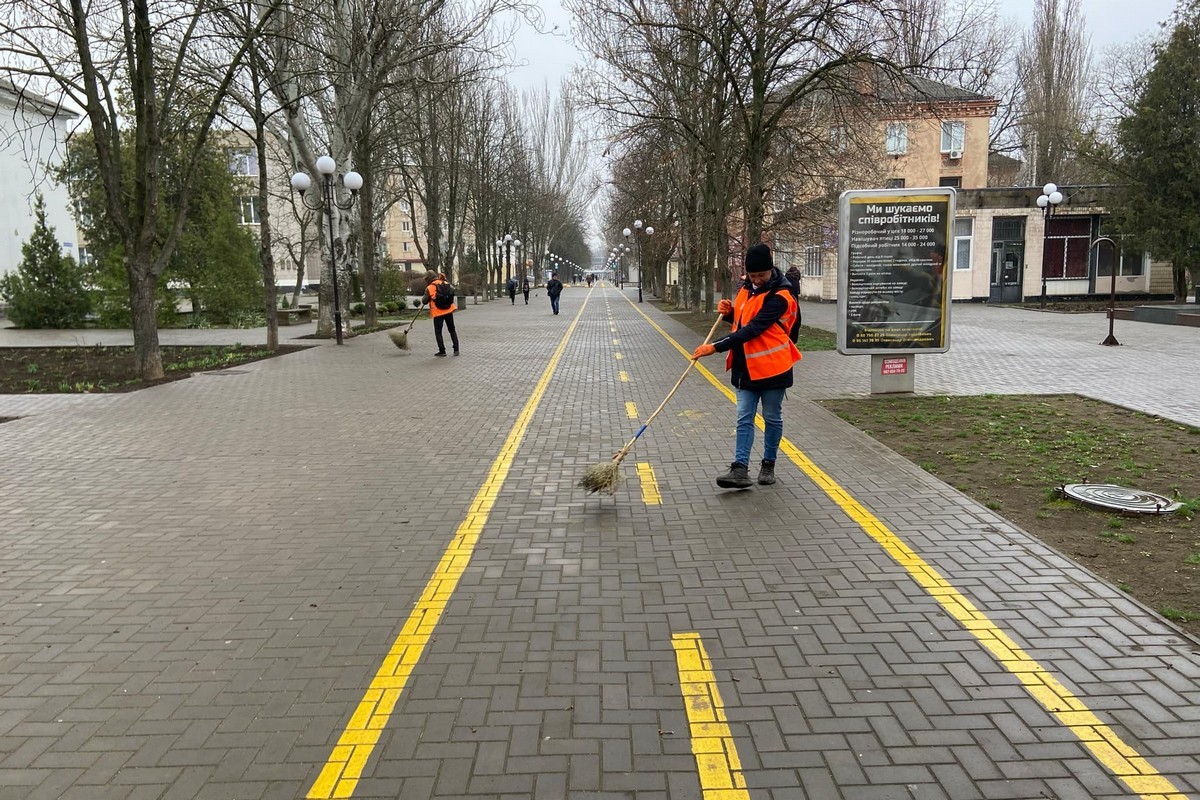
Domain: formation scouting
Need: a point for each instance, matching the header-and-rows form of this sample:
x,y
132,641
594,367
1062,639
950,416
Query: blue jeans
x,y
772,413
554,304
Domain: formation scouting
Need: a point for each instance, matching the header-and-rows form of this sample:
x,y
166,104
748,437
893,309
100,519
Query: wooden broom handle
x,y
624,450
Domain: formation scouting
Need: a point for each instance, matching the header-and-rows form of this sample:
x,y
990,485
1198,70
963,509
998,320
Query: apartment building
x,y
1005,248
33,136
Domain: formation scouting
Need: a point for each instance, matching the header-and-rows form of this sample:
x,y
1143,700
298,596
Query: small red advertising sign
x,y
894,366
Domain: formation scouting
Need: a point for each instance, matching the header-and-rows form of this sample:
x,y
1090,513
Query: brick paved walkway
x,y
194,606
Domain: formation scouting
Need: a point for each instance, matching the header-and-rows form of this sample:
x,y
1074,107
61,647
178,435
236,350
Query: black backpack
x,y
443,298
794,333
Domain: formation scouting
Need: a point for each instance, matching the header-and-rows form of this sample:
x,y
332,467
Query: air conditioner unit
x,y
955,154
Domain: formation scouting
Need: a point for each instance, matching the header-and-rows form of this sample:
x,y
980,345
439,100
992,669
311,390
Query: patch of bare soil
x,y
80,370
1011,453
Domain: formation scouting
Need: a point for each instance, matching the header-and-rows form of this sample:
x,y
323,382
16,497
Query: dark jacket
x,y
773,309
554,287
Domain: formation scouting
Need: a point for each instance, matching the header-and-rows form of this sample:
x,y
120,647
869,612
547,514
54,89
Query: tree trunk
x,y
266,258
145,323
366,210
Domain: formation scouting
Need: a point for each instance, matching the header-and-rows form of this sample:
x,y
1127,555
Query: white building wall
x,y
32,144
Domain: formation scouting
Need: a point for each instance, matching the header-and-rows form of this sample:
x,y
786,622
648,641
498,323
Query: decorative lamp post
x,y
508,243
301,183
1111,339
1048,203
637,228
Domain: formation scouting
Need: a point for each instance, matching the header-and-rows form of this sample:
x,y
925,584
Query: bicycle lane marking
x,y
1105,745
342,770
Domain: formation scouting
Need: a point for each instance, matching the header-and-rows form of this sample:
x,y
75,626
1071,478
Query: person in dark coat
x,y
525,288
512,290
553,289
759,356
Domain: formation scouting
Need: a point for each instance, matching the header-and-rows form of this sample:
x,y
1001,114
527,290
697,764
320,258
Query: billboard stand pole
x,y
893,373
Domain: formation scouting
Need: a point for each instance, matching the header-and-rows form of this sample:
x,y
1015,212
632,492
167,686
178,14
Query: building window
x,y
405,246
954,134
1068,240
964,228
812,262
1132,262
837,138
954,181
244,163
406,225
894,183
85,257
248,210
897,138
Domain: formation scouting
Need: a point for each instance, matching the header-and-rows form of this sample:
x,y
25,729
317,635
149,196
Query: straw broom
x,y
604,477
400,337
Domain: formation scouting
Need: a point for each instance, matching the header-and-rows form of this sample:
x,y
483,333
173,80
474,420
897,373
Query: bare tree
x,y
1120,80
123,63
1053,67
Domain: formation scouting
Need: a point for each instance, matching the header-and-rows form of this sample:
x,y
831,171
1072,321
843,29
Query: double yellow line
x,y
344,767
1105,745
712,743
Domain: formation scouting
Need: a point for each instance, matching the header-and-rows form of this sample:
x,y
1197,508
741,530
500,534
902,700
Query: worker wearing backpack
x,y
439,295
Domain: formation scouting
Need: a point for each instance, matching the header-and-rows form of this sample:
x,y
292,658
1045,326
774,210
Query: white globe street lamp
x,y
301,183
1048,203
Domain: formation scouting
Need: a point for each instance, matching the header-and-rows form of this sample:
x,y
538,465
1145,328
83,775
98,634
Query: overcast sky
x,y
550,57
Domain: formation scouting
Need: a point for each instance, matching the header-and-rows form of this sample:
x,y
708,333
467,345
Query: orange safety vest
x,y
772,353
434,311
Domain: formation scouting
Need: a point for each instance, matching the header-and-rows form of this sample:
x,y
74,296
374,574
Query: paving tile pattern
x,y
197,581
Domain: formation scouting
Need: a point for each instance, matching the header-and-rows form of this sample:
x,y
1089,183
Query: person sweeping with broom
x,y
760,354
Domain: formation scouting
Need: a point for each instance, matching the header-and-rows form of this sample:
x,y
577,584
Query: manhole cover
x,y
1119,498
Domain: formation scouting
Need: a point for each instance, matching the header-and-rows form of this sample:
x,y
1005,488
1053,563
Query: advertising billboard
x,y
894,266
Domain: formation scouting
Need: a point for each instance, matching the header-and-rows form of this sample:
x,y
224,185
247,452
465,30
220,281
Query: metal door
x,y
1008,260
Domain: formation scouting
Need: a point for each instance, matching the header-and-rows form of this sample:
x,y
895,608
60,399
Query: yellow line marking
x,y
712,743
342,771
650,495
616,341
631,410
1103,742
618,356
624,376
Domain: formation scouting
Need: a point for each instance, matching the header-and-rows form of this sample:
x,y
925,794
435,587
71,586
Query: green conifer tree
x,y
1159,155
47,290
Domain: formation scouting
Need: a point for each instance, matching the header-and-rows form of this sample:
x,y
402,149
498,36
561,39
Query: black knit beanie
x,y
758,259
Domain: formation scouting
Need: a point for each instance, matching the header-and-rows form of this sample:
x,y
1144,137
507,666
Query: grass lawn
x,y
1012,452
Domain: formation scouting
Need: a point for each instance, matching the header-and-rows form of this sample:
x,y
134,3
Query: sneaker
x,y
766,473
440,354
456,352
738,477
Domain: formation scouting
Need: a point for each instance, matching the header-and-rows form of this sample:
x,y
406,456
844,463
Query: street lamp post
x,y
508,242
301,183
1048,203
637,228
1111,340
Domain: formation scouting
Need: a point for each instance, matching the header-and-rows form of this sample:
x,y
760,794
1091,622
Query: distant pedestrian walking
x,y
441,310
512,290
525,289
553,289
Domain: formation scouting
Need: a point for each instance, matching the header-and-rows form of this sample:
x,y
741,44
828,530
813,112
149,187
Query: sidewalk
x,y
203,585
